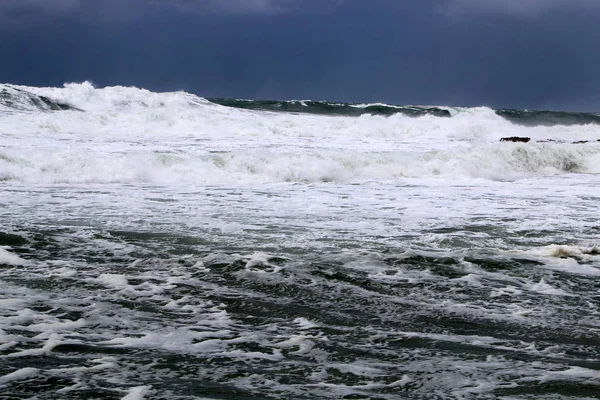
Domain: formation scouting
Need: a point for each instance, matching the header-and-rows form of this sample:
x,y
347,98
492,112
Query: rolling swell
x,y
329,108
548,118
516,116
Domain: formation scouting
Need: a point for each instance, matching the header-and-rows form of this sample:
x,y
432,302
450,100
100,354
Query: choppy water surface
x,y
294,256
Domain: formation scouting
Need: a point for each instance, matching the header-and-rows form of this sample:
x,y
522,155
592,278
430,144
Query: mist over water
x,y
164,246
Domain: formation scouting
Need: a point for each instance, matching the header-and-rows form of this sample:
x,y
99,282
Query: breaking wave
x,y
264,166
126,134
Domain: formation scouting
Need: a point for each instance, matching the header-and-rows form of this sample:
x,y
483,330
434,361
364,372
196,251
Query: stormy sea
x,y
168,246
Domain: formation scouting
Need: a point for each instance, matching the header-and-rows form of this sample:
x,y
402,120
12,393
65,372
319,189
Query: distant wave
x,y
330,108
521,117
84,96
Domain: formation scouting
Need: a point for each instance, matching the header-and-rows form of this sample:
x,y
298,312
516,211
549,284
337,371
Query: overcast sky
x,y
536,54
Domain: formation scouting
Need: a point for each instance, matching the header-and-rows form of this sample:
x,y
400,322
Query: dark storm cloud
x,y
536,53
228,6
15,7
514,8
19,14
51,8
272,7
509,53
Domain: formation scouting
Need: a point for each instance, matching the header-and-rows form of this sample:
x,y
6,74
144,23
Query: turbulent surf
x,y
167,246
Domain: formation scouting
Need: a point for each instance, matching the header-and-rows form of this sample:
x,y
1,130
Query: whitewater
x,y
168,246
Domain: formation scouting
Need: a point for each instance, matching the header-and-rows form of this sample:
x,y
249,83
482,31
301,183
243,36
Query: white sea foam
x,y
303,323
196,166
6,257
544,288
137,393
115,281
20,374
564,258
52,341
566,251
577,374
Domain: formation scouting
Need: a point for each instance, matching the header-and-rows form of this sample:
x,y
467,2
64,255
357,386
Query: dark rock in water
x,y
515,139
550,141
526,139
